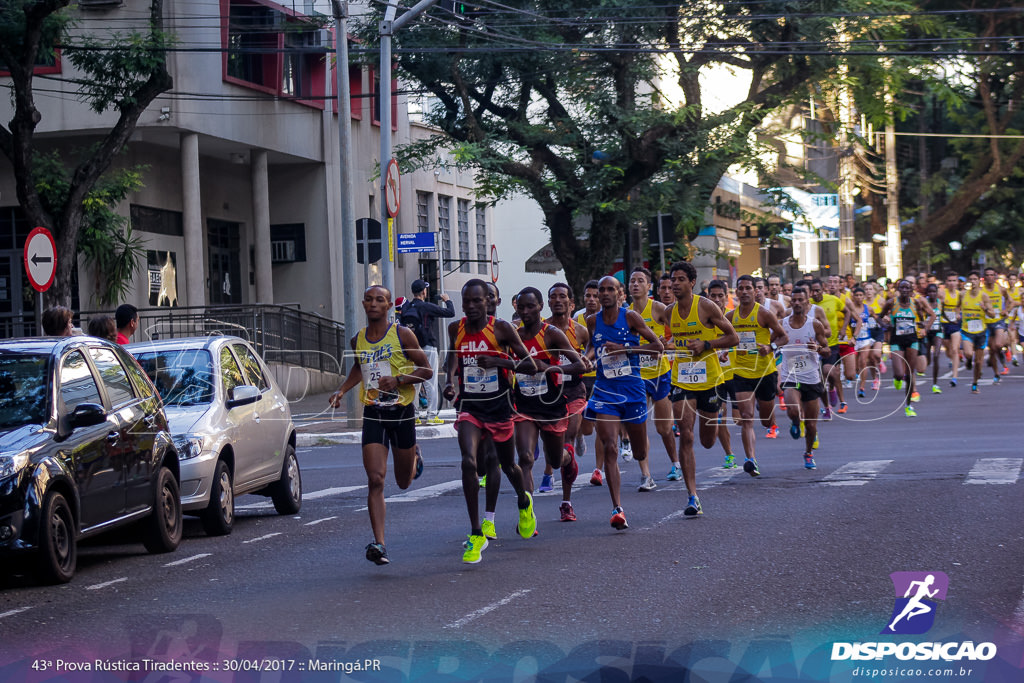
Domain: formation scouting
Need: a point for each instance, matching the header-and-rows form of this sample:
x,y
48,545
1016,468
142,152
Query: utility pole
x,y
348,219
846,171
893,238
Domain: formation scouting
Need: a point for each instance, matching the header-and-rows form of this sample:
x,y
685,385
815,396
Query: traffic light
x,y
461,10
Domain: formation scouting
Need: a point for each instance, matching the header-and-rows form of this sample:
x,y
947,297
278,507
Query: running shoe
x,y
794,430
750,467
483,481
1006,371
487,526
816,443
842,408
882,367
915,397
1014,361
936,389
847,384
693,507
803,428
472,549
545,484
572,470
782,402
974,389
419,463
952,382
809,462
618,520
675,430
876,384
730,462
826,413
595,478
581,445
675,474
833,397
646,484
897,384
625,451
860,393
773,432
566,511
1007,355
909,412
435,420
996,380
424,403
376,553
527,519
920,374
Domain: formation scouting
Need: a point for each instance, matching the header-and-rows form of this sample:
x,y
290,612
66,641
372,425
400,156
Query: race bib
x,y
800,362
615,365
748,342
949,315
871,323
479,380
975,326
692,372
937,325
531,385
372,372
905,327
648,360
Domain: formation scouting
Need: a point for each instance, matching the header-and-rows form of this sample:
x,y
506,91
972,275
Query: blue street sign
x,y
412,242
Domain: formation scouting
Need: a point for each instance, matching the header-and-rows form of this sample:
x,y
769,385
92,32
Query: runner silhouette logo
x,y
917,596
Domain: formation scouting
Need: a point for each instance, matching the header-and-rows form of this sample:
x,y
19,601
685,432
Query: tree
x,y
569,103
123,73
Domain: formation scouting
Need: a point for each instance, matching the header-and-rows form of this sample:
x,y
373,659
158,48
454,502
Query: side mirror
x,y
86,415
243,395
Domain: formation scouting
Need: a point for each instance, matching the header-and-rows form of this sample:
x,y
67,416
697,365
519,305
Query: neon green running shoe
x,y
815,444
487,526
473,548
527,519
483,481
936,389
910,412
730,462
803,428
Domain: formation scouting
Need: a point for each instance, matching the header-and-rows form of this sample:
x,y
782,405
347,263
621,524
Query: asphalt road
x,y
776,571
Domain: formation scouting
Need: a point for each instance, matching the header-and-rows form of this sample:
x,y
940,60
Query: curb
x,y
423,433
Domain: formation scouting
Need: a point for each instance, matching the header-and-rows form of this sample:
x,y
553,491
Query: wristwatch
x,y
707,346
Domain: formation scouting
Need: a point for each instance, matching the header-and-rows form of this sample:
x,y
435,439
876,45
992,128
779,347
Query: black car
x,y
84,448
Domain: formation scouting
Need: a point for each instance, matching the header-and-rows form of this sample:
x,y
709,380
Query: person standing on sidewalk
x,y
389,363
418,314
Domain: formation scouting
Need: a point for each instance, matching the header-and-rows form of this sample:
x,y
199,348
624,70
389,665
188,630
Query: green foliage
x,y
105,238
113,76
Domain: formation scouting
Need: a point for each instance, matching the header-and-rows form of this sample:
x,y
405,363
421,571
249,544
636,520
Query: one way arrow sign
x,y
40,259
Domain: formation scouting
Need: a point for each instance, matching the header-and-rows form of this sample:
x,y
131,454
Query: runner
x,y
864,339
540,400
478,357
755,377
696,372
975,307
655,371
775,291
908,312
576,391
591,305
718,293
389,361
619,396
487,465
665,294
800,371
1013,301
950,307
996,324
933,335
836,311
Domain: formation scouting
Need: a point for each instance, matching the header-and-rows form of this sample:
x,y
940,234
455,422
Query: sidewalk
x,y
317,424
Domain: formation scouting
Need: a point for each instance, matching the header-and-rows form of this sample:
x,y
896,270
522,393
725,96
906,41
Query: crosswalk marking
x,y
856,473
425,492
717,476
995,471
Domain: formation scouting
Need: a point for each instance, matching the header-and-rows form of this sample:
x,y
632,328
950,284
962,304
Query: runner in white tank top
x,y
800,371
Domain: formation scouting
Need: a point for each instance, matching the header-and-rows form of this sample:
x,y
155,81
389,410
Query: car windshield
x,y
184,377
23,389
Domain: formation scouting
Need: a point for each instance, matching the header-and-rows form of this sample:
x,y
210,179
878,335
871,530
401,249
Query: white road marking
x,y
317,521
717,476
97,586
1016,621
995,471
856,473
312,495
489,608
187,560
12,612
262,538
425,492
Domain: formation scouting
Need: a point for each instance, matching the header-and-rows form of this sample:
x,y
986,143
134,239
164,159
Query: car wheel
x,y
287,492
162,532
219,515
58,552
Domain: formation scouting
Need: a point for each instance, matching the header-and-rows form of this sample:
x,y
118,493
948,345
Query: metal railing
x,y
281,334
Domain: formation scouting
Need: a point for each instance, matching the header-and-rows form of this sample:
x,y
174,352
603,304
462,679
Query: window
x,y
375,80
274,50
23,389
113,376
252,366
157,221
288,243
481,239
422,212
230,374
77,385
463,220
444,224
183,378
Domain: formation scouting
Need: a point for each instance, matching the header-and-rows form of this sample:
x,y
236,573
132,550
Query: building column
x,y
195,255
261,227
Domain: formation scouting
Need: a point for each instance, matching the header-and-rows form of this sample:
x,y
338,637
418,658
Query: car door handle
x,y
113,437
256,418
150,421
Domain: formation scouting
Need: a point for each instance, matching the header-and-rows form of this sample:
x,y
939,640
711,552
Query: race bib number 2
x,y
480,380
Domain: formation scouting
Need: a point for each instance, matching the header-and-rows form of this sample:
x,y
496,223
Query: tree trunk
x,y
66,238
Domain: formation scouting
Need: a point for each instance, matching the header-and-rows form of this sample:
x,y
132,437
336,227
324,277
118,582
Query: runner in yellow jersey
x,y
836,311
1013,298
848,323
949,306
998,336
655,371
974,308
717,292
755,378
389,361
698,329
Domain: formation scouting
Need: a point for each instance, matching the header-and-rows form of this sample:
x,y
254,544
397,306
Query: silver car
x,y
230,422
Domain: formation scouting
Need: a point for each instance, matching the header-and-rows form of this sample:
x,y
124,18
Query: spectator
x,y
418,314
127,319
57,322
104,327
